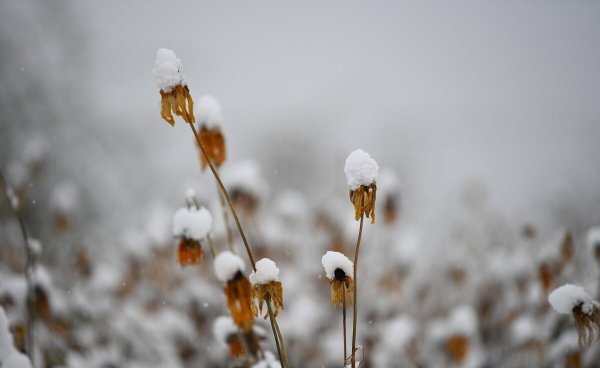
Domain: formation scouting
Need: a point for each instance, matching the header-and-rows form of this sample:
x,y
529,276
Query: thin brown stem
x,y
211,246
243,235
272,320
355,309
225,194
29,343
344,325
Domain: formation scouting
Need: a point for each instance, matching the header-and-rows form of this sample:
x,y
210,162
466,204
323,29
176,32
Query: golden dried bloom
x,y
271,292
457,348
342,288
363,199
587,322
179,102
189,252
238,292
214,144
175,95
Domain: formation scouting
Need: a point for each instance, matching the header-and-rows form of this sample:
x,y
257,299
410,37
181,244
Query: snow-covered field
x,y
467,131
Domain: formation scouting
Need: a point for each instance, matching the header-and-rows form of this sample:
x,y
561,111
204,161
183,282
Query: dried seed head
x,y
457,348
189,252
363,200
214,144
238,292
179,102
587,322
342,290
271,292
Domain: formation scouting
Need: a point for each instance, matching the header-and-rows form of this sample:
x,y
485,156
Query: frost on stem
x,y
361,171
209,116
266,286
191,226
229,269
174,92
339,270
573,299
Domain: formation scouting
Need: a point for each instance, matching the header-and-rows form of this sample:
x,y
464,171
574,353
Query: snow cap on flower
x,y
227,265
334,260
223,327
266,271
192,223
360,169
167,70
567,297
208,112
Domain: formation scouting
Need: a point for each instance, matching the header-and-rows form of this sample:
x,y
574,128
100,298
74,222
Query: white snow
x,y
190,194
192,223
10,357
593,237
223,327
65,197
266,271
334,260
208,112
387,183
398,332
247,176
270,361
167,70
360,169
568,296
227,265
35,246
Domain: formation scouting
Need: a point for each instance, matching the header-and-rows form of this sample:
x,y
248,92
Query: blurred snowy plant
x,y
573,299
266,287
361,171
10,357
174,92
389,194
593,242
209,116
192,226
229,269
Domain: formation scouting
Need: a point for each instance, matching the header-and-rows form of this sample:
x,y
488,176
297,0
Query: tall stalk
x,y
355,309
274,326
226,220
30,315
344,325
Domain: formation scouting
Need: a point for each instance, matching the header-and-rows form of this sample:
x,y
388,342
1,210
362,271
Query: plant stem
x,y
355,309
30,315
243,235
211,246
344,325
225,194
272,320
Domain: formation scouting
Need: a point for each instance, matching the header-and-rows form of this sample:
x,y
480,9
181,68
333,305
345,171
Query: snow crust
x,y
360,169
334,260
227,265
192,223
167,70
208,112
266,271
568,296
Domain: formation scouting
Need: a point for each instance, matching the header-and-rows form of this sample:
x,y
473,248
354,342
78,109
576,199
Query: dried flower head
x,y
339,270
266,287
572,299
238,290
457,348
191,225
361,171
210,117
174,92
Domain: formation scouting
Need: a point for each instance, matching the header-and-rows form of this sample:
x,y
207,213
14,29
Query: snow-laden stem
x,y
355,309
30,315
276,332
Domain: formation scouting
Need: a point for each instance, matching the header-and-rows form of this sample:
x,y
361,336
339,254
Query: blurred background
x,y
484,117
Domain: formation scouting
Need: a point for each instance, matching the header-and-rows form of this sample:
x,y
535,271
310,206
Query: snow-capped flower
x,y
174,92
361,171
191,225
266,286
339,270
229,269
573,299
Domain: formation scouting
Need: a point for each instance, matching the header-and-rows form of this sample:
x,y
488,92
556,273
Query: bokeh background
x,y
487,112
